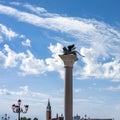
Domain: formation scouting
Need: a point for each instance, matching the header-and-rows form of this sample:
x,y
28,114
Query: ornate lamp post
x,y
85,117
18,109
6,117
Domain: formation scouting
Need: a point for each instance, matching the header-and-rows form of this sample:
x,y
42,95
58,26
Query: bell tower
x,y
48,111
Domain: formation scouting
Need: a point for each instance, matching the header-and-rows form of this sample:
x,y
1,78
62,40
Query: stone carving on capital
x,y
70,50
69,55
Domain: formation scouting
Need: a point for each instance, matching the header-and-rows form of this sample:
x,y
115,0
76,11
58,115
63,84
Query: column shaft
x,y
68,101
68,94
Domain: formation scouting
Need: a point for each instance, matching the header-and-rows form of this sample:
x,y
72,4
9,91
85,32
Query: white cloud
x,y
31,65
2,58
10,58
1,38
85,30
81,100
98,41
100,68
113,88
26,42
23,92
112,69
7,32
77,90
55,63
30,7
15,3
27,62
109,88
64,24
35,9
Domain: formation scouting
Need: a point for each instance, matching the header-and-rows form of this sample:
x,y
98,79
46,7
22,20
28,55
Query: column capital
x,y
68,59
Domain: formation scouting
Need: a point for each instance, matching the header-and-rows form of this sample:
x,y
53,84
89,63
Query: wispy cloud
x,y
28,64
77,90
26,43
23,92
9,58
63,24
98,41
15,3
7,32
31,65
113,88
35,9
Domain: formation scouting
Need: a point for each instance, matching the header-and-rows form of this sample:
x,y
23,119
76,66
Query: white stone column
x,y
68,60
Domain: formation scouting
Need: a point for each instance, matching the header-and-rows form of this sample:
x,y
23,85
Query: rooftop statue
x,y
71,50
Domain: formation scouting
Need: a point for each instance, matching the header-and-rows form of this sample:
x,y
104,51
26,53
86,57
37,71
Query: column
x,y
68,60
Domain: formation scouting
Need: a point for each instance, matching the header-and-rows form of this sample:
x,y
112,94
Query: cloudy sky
x,y
32,35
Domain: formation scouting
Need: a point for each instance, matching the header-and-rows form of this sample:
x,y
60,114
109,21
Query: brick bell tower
x,y
48,111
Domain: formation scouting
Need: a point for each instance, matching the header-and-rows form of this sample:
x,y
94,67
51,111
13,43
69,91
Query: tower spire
x,y
48,106
48,111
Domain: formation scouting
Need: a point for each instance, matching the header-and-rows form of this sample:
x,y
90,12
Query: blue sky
x,y
32,35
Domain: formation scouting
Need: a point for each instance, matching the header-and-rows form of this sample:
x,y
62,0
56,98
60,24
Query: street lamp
x,y
85,117
6,117
18,109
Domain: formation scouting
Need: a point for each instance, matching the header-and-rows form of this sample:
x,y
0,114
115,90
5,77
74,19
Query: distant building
x,y
100,119
49,113
57,118
77,117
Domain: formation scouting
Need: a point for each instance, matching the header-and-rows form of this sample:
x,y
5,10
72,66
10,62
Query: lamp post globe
x,y
17,108
5,117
